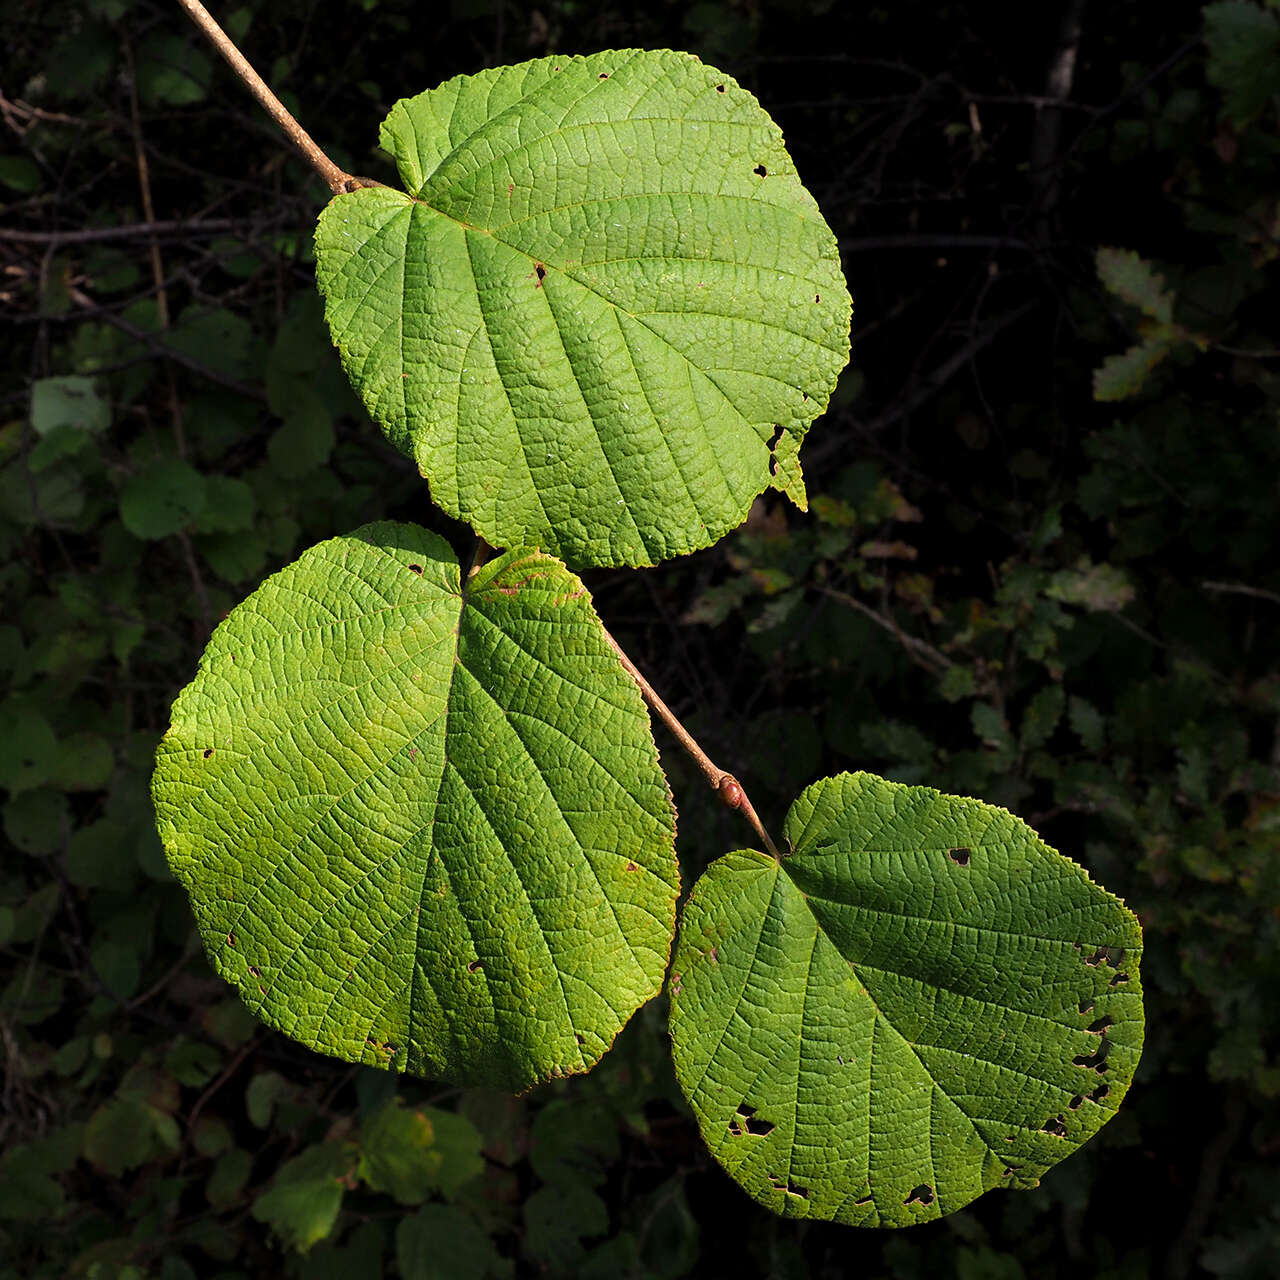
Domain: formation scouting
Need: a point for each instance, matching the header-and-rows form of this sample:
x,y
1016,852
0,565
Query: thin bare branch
x,y
130,231
338,180
1242,589
724,784
921,651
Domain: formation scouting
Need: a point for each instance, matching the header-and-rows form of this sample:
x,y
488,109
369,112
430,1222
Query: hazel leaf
x,y
601,292
922,1002
422,823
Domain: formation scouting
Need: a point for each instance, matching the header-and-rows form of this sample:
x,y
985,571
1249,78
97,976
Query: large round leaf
x,y
922,1002
601,294
423,824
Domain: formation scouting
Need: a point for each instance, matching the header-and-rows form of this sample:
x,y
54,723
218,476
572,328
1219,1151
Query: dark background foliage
x,y
1058,595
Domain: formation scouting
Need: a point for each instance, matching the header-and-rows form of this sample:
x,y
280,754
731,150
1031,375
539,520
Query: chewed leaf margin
x,y
920,1003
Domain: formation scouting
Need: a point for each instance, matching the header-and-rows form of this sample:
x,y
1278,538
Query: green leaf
x,y
54,495
302,1203
28,749
922,1002
264,1091
441,1242
228,507
117,966
238,557
71,401
1133,280
100,855
83,763
557,1220
1122,376
37,822
422,825
1243,44
172,70
61,443
306,439
787,475
19,172
230,1174
600,293
572,1143
410,1154
1088,723
162,498
1100,588
126,1132
1041,717
217,339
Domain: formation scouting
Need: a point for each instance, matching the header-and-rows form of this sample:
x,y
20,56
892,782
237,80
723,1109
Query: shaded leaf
x,y
411,1153
301,1205
162,498
557,1220
441,1242
37,822
28,749
125,1132
70,401
1243,42
1100,588
1121,376
1133,280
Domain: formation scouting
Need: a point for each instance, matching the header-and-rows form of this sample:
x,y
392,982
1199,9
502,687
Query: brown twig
x,y
130,231
724,784
925,654
338,179
160,350
1242,589
144,187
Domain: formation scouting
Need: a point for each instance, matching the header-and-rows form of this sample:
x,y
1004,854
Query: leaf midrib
x,y
935,1085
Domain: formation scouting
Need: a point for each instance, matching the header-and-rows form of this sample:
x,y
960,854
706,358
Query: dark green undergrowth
x,y
1016,582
